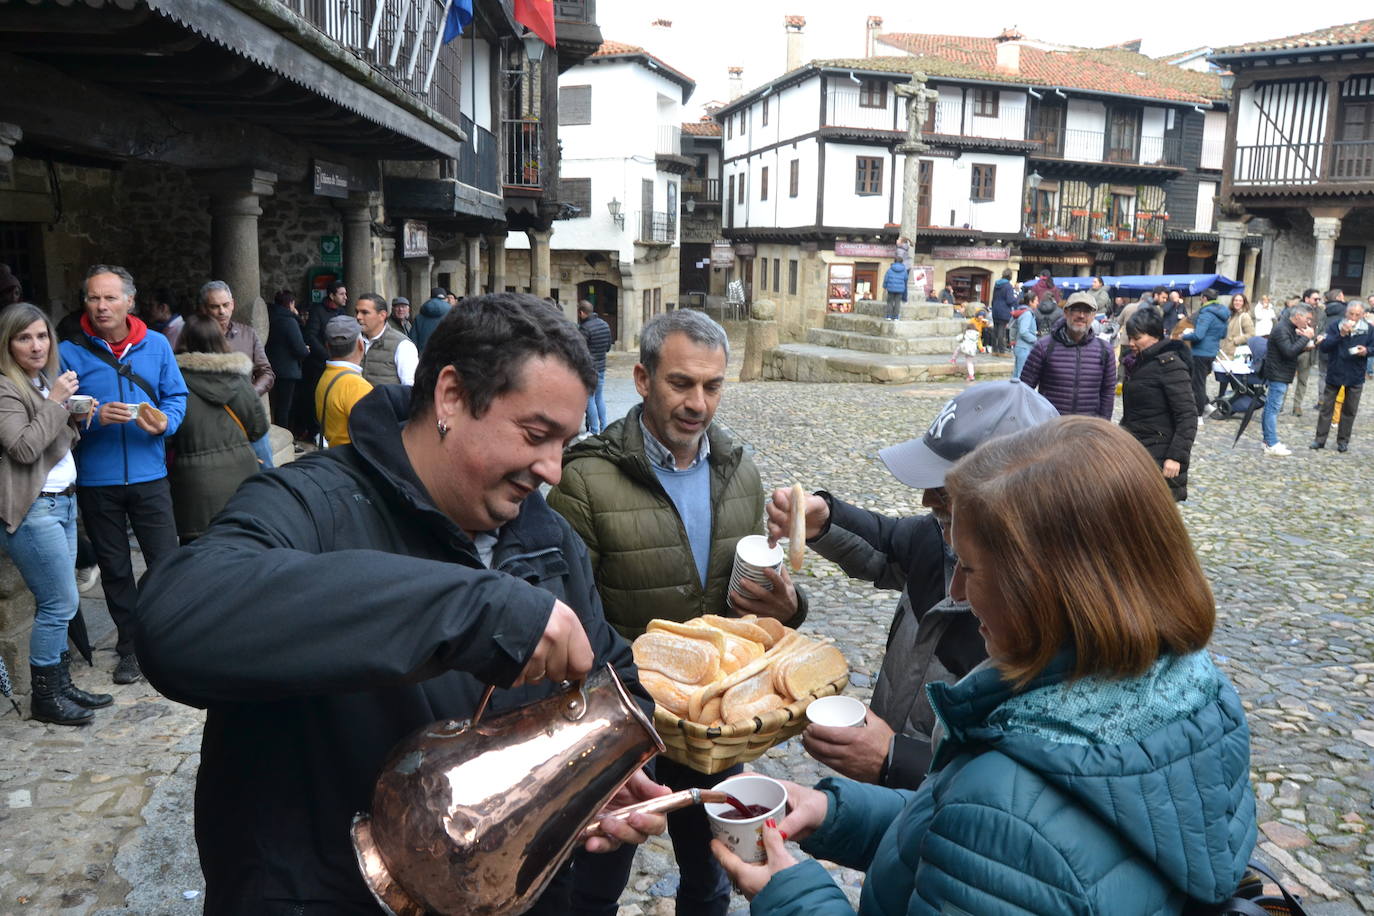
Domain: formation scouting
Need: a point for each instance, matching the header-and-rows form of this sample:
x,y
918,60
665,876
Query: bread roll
x,y
773,627
746,711
745,694
694,629
811,669
796,541
745,629
684,659
152,412
710,713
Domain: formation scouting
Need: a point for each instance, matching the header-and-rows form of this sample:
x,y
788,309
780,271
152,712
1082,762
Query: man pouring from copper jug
x,y
348,599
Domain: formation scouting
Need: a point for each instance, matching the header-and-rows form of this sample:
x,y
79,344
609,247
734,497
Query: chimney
x,y
1009,51
871,35
736,82
793,26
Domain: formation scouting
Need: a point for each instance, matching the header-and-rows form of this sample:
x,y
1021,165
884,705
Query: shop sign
x,y
840,288
330,179
1073,260
744,250
864,250
722,254
414,239
1201,250
331,251
971,253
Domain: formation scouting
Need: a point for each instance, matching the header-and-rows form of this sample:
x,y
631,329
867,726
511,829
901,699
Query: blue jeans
x,y
596,405
1273,406
1021,353
263,449
43,547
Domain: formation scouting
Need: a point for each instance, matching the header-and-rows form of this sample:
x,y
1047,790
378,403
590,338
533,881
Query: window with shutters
x,y
730,128
763,275
763,183
741,186
868,175
578,192
984,182
574,105
777,275
794,178
873,94
792,278
765,111
985,103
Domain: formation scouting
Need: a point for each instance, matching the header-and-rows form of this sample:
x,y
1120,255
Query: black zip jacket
x,y
1158,408
330,611
1285,346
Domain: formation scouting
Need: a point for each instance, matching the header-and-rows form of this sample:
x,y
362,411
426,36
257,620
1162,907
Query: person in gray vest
x,y
389,357
933,637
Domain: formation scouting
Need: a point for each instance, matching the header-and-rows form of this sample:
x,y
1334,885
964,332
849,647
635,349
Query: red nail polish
x,y
771,823
784,833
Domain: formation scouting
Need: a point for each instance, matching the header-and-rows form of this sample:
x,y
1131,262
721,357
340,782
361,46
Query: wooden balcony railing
x,y
1071,225
1092,146
1304,163
478,166
400,41
704,190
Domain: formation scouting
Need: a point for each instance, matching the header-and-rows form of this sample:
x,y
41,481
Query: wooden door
x,y
1123,134
923,181
1047,126
1353,157
866,281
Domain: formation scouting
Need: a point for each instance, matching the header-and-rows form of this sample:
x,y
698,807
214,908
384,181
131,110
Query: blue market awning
x,y
1188,284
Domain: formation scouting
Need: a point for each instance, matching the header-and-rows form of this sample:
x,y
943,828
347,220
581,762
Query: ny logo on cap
x,y
937,428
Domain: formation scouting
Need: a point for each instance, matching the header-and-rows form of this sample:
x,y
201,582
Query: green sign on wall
x,y
331,250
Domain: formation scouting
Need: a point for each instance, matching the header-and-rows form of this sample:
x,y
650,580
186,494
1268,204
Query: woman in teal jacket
x,y
1098,763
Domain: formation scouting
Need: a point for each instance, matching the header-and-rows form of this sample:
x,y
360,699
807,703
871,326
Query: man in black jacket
x,y
345,600
1346,346
933,637
598,336
1290,339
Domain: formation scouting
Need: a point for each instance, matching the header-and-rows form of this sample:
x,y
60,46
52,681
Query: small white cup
x,y
133,411
837,712
745,837
78,405
753,550
1354,351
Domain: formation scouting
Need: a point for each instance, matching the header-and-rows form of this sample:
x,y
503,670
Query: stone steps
x,y
878,326
872,343
808,362
912,311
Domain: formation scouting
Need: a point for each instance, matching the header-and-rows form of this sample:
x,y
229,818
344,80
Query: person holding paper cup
x,y
1347,345
1100,763
38,427
933,637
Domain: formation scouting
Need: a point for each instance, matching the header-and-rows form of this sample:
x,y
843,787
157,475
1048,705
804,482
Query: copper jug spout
x,y
475,817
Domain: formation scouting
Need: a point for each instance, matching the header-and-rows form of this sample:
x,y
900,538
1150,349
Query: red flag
x,y
537,16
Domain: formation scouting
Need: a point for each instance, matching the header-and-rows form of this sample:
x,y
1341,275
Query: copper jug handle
x,y
573,711
661,805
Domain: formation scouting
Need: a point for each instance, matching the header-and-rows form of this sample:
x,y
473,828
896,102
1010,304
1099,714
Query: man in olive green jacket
x,y
661,497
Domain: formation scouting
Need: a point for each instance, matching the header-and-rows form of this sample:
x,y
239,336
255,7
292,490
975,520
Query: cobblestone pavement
x,y
97,820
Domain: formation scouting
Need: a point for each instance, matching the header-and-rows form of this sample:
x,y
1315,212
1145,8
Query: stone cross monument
x,y
918,99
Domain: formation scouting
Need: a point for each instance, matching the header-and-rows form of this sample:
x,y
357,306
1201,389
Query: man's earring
x,y
443,429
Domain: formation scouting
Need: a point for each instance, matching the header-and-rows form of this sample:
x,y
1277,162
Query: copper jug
x,y
476,817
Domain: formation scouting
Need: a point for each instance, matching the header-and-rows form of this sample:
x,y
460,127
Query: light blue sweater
x,y
690,491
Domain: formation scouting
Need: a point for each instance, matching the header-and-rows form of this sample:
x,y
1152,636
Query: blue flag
x,y
459,18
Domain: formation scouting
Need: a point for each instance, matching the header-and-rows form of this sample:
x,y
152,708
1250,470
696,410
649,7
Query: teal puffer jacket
x,y
1029,811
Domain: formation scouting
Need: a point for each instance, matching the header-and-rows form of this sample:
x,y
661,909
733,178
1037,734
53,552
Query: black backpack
x,y
1250,899
1044,323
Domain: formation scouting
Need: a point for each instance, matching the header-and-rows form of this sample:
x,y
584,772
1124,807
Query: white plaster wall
x,y
842,107
1010,123
951,183
799,210
475,84
1084,115
1213,139
798,108
1206,191
842,206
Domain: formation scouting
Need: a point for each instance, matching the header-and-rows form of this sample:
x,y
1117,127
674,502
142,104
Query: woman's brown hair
x,y
1091,552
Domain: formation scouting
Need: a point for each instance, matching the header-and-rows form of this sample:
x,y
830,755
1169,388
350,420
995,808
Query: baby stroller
x,y
1247,389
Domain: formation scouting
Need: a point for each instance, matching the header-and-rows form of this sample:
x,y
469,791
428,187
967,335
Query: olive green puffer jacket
x,y
640,554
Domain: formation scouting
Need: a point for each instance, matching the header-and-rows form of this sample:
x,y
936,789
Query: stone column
x,y
1157,263
357,246
496,263
1248,271
540,270
234,212
390,287
1326,229
1083,270
1228,248
472,256
1264,228
419,272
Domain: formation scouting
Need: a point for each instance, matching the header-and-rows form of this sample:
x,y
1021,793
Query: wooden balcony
x,y
1092,146
1073,225
1340,166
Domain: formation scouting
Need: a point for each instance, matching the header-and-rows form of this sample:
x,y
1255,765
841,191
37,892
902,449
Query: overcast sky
x,y
710,35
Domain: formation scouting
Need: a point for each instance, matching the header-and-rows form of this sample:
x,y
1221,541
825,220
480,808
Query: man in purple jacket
x,y
1071,366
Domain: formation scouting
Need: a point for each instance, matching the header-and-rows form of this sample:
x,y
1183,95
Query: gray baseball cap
x,y
342,329
979,413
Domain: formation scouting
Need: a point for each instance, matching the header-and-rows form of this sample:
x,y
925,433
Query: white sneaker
x,y
88,580
1199,424
1278,449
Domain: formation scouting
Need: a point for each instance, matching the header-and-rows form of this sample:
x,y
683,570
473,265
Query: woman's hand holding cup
x,y
63,387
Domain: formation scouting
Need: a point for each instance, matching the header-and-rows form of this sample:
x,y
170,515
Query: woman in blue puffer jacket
x,y
1098,762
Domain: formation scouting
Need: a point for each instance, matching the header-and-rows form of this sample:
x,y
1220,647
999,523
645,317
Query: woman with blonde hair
x,y
38,503
1099,761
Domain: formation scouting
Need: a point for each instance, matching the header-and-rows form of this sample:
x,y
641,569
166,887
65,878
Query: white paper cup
x,y
836,712
1354,351
133,410
745,837
78,405
753,550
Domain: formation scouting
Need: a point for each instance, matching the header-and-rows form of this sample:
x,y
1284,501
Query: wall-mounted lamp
x,y
1228,81
534,47
617,212
1034,179
691,205
1033,93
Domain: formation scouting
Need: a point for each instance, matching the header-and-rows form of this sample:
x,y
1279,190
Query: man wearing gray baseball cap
x,y
932,636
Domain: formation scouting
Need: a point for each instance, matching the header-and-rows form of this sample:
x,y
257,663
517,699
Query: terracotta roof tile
x,y
1349,34
702,128
1096,69
610,49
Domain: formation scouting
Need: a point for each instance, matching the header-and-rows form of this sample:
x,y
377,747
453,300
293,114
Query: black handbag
x,y
1251,900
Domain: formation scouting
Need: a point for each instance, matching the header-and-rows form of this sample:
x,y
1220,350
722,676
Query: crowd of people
x,y
1043,737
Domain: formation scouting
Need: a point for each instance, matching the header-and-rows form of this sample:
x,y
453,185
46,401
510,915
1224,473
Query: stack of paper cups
x,y
752,557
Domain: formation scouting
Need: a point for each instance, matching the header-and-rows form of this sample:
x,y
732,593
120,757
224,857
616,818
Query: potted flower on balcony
x,y
1097,214
1078,212
1123,233
530,171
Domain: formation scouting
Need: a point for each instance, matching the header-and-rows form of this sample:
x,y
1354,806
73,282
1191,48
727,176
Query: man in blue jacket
x,y
1205,336
1347,346
1003,301
121,464
894,282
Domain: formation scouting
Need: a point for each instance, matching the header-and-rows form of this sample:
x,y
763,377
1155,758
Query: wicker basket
x,y
711,749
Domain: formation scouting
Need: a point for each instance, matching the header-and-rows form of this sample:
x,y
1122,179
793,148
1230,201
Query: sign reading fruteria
x,y
971,252
414,239
331,251
330,179
864,250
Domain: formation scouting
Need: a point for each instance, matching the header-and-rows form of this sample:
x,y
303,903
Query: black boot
x,y
75,693
48,704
